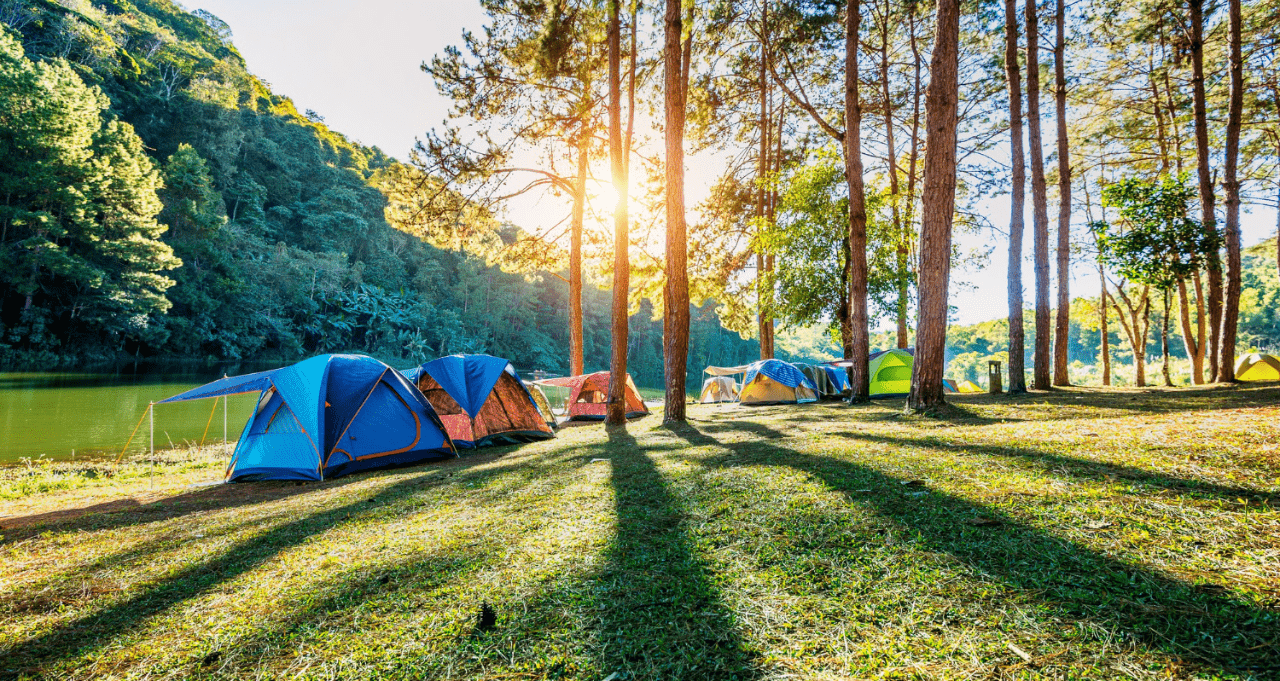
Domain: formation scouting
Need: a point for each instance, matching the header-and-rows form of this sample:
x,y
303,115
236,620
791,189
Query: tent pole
x,y
151,411
224,427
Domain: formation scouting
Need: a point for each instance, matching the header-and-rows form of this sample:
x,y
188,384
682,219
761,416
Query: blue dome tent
x,y
481,400
773,381
329,416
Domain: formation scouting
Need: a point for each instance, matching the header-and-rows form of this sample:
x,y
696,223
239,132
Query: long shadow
x,y
1084,469
663,617
218,497
1218,633
82,635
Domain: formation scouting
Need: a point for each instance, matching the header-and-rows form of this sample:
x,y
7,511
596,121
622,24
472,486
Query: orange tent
x,y
589,393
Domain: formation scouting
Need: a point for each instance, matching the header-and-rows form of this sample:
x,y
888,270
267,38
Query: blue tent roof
x,y
780,371
469,379
840,377
328,416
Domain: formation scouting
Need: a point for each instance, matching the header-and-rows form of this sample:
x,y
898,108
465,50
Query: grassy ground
x,y
1078,534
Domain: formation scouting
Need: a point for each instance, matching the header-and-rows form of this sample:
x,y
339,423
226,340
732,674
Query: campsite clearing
x,y
1079,533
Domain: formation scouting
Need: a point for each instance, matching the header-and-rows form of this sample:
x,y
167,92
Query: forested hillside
x,y
252,230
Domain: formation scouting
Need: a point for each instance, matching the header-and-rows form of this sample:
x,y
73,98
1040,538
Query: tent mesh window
x,y
508,409
455,419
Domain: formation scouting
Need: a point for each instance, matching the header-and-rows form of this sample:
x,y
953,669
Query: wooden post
x,y
994,375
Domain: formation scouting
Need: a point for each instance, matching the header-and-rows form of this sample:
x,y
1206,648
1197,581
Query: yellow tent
x,y
970,387
1257,367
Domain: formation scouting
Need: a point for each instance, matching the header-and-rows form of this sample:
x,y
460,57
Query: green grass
x,y
1077,534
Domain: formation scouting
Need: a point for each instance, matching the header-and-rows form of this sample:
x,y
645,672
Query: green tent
x,y
891,373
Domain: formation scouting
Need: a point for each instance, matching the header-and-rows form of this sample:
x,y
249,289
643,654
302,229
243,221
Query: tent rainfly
x,y
1257,367
968,386
891,372
328,416
718,389
588,395
481,400
772,381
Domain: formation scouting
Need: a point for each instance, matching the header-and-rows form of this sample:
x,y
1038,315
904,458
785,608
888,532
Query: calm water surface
x,y
91,413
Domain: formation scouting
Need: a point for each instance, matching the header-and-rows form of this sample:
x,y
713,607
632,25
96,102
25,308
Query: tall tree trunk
x,y
942,103
859,375
1039,200
1190,341
1164,340
1231,297
902,252
1208,218
616,409
1063,330
675,318
1013,76
575,255
1105,332
764,286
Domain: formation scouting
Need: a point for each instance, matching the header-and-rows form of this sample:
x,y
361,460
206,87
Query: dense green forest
x,y
205,217
161,201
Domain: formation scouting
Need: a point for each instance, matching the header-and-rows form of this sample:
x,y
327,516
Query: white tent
x,y
718,389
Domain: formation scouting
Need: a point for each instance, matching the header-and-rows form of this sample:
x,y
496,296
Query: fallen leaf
x,y
983,522
598,460
1097,525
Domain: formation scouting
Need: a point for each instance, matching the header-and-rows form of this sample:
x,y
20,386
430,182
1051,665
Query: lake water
x,y
91,413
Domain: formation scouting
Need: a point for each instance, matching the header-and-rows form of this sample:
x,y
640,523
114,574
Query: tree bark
x,y
1039,201
902,252
764,288
1103,327
1231,183
1063,331
1189,339
941,106
675,327
1164,341
1213,261
859,376
1017,199
575,255
616,409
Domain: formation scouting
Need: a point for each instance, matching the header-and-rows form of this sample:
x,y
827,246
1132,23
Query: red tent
x,y
589,393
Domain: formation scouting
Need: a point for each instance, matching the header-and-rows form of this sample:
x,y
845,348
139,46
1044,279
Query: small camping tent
x,y
588,395
891,372
821,380
481,400
773,381
949,386
839,377
544,405
1257,367
328,416
968,386
718,389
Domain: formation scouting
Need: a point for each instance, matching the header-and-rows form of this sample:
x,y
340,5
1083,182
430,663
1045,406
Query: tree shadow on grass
x,y
663,617
1084,469
1217,633
82,636
217,497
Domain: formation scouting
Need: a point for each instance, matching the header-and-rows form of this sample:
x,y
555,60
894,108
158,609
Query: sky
x,y
358,65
